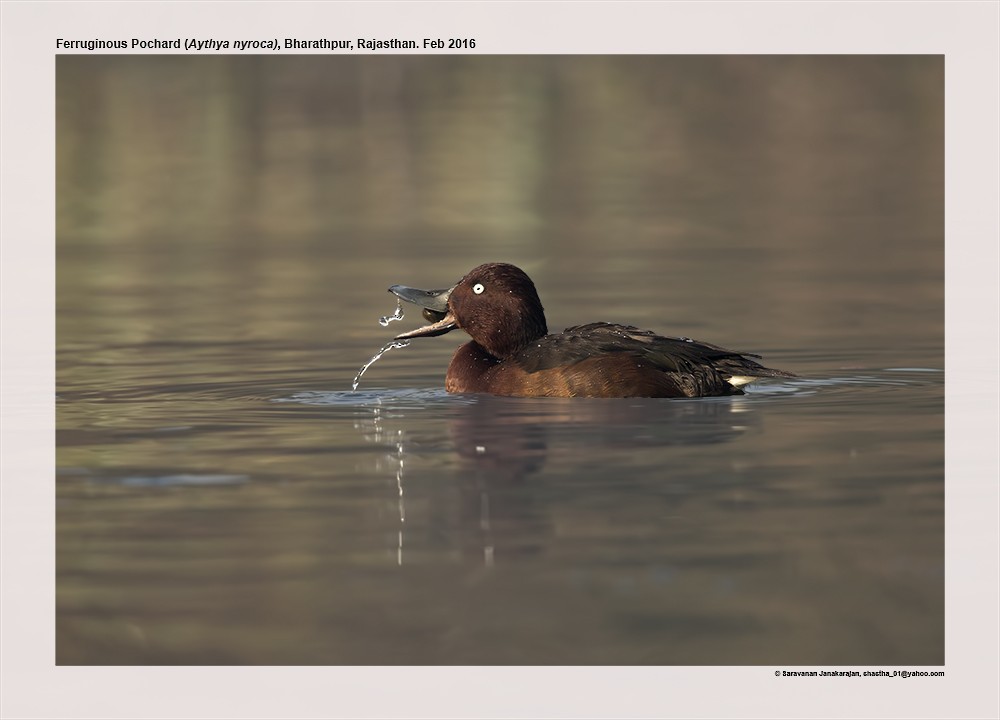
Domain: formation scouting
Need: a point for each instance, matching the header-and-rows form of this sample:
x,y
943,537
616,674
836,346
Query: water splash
x,y
385,348
384,322
386,319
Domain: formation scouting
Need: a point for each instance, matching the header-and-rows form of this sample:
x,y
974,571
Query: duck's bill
x,y
435,305
433,300
445,324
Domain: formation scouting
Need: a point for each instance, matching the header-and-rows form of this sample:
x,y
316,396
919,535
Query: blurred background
x,y
280,196
227,228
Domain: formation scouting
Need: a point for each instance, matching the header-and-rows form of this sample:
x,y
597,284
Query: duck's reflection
x,y
501,501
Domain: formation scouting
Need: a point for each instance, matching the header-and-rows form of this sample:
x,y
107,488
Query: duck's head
x,y
495,303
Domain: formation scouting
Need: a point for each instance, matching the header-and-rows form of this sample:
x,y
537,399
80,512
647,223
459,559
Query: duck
x,y
512,353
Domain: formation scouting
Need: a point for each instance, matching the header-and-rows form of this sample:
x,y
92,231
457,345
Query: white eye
x,y
478,288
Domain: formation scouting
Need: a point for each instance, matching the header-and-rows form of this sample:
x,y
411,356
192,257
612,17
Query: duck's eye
x,y
478,288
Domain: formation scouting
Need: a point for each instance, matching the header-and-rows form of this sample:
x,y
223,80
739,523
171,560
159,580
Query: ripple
x,y
181,479
368,398
418,397
876,380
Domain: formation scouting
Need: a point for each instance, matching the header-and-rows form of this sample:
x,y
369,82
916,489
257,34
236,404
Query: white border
x,y
965,32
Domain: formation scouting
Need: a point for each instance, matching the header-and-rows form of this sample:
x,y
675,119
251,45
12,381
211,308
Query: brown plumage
x,y
511,352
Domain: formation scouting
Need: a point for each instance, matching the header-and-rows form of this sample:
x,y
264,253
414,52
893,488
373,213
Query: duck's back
x,y
608,360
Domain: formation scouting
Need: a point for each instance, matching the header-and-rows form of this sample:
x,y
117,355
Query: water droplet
x,y
386,319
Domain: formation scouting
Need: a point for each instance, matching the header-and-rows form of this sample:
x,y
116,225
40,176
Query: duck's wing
x,y
670,354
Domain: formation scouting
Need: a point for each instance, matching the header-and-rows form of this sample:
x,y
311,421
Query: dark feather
x,y
668,354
